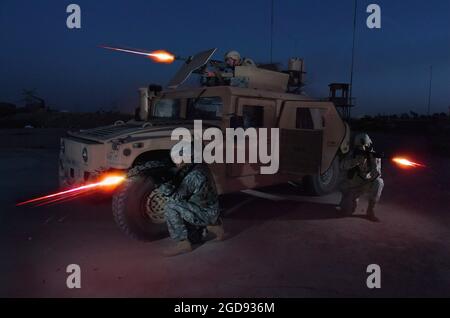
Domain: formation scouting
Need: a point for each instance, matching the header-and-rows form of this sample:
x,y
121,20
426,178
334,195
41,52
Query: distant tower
x,y
340,96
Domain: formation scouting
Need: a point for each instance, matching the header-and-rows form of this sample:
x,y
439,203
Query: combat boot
x,y
217,230
348,204
371,212
181,247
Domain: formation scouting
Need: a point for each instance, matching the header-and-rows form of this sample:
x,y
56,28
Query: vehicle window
x,y
253,116
303,119
166,108
318,117
206,108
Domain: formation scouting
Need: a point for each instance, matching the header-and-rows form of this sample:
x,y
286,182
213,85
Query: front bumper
x,y
73,175
80,161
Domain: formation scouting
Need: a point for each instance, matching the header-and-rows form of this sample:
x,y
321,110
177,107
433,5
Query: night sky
x,y
67,68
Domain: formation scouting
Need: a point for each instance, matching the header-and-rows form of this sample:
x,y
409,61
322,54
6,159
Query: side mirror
x,y
236,121
156,89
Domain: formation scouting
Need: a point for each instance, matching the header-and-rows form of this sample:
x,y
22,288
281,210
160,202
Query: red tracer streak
x,y
405,163
108,182
159,56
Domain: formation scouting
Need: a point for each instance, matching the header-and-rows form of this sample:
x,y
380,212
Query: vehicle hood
x,y
155,128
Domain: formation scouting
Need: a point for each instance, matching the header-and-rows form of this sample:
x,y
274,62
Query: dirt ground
x,y
285,248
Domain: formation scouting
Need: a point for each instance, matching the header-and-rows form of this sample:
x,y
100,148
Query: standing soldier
x,y
233,58
192,200
223,72
363,176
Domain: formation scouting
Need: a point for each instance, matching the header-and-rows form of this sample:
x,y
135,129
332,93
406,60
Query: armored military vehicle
x,y
313,138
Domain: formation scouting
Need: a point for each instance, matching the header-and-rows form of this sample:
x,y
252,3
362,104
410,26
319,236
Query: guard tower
x,y
339,95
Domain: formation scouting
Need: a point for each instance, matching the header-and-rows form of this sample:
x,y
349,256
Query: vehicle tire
x,y
137,208
323,184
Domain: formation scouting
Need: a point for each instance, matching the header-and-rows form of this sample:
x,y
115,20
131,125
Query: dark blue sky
x,y
68,69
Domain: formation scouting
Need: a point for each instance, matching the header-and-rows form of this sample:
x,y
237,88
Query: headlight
x,y
63,146
84,154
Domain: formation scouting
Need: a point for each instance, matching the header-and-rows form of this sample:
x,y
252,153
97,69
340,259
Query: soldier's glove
x,y
359,162
166,189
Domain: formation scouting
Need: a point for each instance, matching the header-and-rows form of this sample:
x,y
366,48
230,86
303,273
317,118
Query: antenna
x,y
353,54
429,91
271,31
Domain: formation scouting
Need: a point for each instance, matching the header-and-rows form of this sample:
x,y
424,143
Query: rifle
x,y
368,154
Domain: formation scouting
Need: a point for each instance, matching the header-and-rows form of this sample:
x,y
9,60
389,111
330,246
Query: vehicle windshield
x,y
206,108
166,108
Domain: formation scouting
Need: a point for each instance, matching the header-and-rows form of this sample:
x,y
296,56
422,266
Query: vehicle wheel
x,y
137,208
323,184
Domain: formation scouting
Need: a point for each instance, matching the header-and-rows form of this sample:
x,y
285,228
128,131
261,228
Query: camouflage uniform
x,y
363,177
193,200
